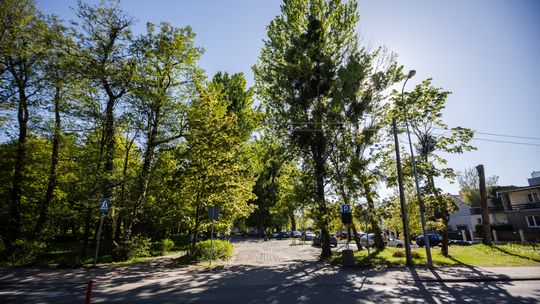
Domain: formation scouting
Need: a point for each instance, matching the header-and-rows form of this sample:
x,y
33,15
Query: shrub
x,y
222,250
401,254
138,246
24,252
165,245
398,254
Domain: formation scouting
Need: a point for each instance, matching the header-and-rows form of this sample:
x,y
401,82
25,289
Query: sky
x,y
486,52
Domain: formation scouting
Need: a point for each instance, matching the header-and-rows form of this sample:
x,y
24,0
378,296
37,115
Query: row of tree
x,y
92,111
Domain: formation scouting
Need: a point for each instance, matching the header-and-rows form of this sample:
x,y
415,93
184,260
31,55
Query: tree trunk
x,y
293,220
379,243
86,236
43,215
326,251
145,170
486,233
108,185
355,236
14,223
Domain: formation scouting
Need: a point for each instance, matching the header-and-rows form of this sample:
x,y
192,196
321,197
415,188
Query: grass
x,y
476,255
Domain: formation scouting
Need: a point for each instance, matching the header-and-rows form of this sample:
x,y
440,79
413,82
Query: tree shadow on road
x,y
310,282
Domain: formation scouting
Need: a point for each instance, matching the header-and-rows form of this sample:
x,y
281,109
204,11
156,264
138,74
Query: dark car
x,y
434,240
284,234
460,242
317,240
308,235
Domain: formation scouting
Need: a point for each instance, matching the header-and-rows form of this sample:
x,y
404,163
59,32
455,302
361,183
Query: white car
x,y
394,242
390,241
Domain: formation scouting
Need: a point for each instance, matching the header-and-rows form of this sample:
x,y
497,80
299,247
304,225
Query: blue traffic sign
x,y
345,208
104,205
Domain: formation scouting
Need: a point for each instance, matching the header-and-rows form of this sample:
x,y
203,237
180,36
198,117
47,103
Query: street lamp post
x,y
402,201
420,201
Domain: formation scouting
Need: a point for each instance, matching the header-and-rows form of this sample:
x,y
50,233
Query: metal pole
x,y
98,238
420,201
402,201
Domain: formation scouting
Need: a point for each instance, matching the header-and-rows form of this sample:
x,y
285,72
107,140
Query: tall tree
x,y
24,46
354,161
164,84
58,76
309,74
214,171
422,108
106,61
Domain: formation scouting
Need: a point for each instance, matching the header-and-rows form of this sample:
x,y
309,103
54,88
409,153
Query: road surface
x,y
271,272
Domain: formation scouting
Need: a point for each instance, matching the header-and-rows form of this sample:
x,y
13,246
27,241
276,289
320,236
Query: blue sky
x,y
486,52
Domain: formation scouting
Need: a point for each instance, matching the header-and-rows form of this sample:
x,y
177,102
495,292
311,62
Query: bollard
x,y
495,238
89,292
463,234
348,257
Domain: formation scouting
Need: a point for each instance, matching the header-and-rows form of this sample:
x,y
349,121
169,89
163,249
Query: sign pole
x,y
98,238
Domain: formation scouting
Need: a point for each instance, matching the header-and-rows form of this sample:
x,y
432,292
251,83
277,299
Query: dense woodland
x,y
90,110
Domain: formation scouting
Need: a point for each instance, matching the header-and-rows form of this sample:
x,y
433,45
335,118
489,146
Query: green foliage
x,y
137,246
215,169
315,82
165,245
222,250
469,182
24,252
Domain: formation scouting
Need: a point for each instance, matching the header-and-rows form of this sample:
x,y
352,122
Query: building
x,y
461,219
522,207
518,207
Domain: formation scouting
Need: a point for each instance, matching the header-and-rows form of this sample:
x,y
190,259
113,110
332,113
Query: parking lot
x,y
256,251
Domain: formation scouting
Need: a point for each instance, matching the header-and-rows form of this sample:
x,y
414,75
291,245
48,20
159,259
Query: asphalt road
x,y
271,272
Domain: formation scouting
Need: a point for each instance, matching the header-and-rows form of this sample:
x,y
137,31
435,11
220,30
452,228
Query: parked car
x,y
342,234
275,235
308,235
394,242
368,239
296,234
459,242
389,241
317,240
434,240
285,234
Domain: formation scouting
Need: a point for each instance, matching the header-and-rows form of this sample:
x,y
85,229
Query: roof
x,y
518,189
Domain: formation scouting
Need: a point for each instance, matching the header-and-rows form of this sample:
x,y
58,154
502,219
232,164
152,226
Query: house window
x,y
479,220
533,220
535,197
529,197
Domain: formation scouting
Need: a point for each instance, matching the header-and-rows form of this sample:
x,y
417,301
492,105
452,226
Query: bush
x,y
401,254
398,254
138,246
165,245
222,250
24,252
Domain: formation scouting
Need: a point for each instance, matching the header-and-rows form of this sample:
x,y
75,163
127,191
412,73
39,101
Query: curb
x,y
486,279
